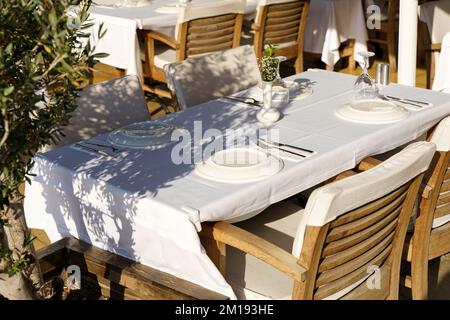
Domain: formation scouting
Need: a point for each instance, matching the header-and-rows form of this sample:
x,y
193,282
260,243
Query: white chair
x,y
200,29
350,230
442,78
200,79
104,107
434,23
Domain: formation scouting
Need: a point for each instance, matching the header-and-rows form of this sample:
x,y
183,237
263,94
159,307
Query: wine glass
x,y
365,87
278,80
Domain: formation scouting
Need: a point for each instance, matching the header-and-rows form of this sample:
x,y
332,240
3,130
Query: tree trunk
x,y
24,285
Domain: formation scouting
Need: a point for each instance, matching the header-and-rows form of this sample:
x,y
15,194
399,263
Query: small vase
x,y
268,115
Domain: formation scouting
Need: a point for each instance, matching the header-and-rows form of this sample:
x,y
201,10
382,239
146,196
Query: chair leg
x,y
216,251
419,278
351,57
299,64
392,52
329,68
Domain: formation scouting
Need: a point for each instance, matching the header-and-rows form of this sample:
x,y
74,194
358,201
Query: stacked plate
x,y
372,111
143,135
239,165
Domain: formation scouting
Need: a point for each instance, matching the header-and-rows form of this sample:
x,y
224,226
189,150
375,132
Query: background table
x,y
144,207
120,40
332,22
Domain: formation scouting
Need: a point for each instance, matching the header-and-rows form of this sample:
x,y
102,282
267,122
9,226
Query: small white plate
x,y
239,165
373,111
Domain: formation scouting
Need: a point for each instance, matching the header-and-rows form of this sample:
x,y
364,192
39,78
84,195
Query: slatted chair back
x,y
356,228
104,107
436,196
282,23
209,27
200,79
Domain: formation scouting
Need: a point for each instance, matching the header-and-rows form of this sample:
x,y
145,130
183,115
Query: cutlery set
x,y
415,103
102,152
265,144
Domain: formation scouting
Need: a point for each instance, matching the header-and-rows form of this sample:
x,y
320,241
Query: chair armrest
x,y
434,47
368,163
344,175
251,244
254,27
153,35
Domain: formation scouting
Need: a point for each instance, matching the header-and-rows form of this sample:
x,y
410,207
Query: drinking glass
x,y
365,87
278,80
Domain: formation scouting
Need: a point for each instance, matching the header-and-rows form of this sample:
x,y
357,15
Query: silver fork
x,y
246,100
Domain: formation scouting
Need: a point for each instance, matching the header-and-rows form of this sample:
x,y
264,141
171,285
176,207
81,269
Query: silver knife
x,y
279,144
410,100
250,101
280,148
101,152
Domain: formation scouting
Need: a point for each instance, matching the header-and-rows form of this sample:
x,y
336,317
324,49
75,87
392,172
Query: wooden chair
x,y
351,230
200,29
216,75
430,238
104,107
281,22
386,35
433,25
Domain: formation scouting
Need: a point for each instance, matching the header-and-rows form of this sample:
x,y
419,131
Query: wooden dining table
x,y
147,207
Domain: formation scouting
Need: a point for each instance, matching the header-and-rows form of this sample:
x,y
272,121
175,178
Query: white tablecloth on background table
x,y
144,207
332,22
120,40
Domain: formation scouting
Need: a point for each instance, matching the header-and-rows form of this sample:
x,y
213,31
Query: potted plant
x,y
268,65
45,57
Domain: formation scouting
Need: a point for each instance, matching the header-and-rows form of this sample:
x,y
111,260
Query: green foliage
x,y
45,56
269,63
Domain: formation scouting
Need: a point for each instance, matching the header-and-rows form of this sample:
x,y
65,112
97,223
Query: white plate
x,y
239,165
372,111
143,135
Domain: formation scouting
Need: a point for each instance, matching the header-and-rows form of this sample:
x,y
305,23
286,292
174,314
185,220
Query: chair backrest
x,y
357,226
282,23
442,78
104,107
200,79
205,28
435,202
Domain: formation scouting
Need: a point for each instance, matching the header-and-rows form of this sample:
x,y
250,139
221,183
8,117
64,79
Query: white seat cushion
x,y
252,278
164,55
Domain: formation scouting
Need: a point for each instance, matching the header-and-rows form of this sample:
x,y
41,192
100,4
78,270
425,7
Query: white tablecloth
x,y
331,22
120,40
136,206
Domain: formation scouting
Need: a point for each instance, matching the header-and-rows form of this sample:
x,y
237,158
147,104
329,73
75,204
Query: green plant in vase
x,y
268,66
